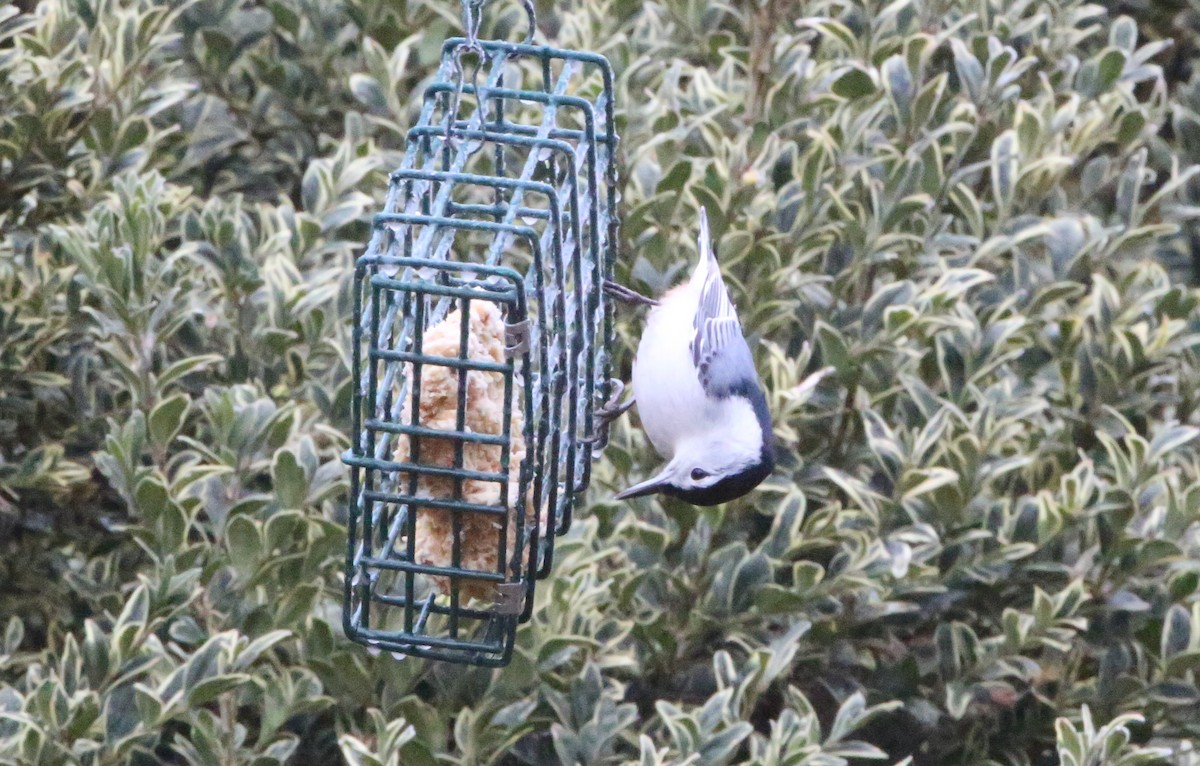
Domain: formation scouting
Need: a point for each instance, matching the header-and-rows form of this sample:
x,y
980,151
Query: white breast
x,y
670,401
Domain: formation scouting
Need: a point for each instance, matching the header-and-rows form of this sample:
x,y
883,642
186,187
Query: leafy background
x,y
960,234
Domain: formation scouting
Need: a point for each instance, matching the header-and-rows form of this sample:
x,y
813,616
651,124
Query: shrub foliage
x,y
959,234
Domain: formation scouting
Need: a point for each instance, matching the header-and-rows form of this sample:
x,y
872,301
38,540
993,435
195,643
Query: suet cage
x,y
481,348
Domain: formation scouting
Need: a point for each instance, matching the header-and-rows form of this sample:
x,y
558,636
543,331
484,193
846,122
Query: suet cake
x,y
438,409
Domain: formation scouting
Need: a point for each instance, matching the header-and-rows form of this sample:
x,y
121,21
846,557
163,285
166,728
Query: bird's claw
x,y
604,416
608,414
618,388
626,295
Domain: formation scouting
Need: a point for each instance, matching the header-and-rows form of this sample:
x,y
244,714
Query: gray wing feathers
x,y
719,350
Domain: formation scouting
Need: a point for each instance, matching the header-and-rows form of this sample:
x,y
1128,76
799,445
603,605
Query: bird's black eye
x,y
698,474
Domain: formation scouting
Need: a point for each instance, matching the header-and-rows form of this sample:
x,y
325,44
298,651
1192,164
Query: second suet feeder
x,y
480,348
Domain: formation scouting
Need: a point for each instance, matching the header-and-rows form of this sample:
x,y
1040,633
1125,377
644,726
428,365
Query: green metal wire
x,y
530,226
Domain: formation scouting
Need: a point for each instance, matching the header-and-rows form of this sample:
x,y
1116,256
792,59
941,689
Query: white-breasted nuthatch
x,y
697,391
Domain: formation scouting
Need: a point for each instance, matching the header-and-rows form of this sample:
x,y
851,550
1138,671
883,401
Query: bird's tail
x,y
708,257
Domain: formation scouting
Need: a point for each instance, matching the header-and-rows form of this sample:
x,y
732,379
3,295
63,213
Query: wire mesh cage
x,y
481,350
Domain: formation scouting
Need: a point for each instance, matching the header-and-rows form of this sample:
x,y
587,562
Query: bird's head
x,y
710,471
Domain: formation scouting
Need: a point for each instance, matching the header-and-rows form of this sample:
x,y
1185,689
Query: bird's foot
x,y
604,416
626,295
607,414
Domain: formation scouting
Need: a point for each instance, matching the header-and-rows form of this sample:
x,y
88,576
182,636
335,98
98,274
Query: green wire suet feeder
x,y
480,348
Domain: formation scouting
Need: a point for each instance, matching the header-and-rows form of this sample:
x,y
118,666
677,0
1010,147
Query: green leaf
x,y
1176,693
1131,126
1065,238
970,71
834,350
217,50
248,656
1177,631
1005,167
1124,34
296,605
14,634
211,688
286,18
1108,70
368,92
1071,748
776,599
921,481
899,83
677,178
167,418
1170,439
1129,187
244,542
958,699
185,367
149,706
854,83
291,485
151,498
722,746
806,575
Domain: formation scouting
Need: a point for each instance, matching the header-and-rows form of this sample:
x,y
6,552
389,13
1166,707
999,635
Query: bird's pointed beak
x,y
647,487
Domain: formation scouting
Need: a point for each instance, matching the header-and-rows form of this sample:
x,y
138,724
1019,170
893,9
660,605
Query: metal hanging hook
x,y
472,15
472,12
531,12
